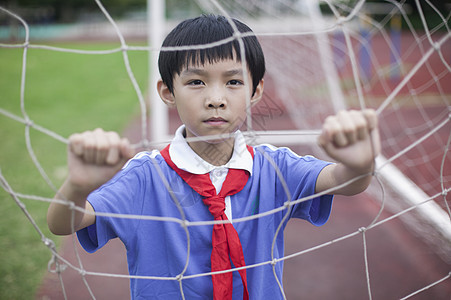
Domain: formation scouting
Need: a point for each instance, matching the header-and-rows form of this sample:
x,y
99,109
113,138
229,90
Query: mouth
x,y
215,121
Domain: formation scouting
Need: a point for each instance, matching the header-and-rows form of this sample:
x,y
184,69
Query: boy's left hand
x,y
352,138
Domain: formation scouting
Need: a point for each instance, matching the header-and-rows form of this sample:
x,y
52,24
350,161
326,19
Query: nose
x,y
216,100
216,104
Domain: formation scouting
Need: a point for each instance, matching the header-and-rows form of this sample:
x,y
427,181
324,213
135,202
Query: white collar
x,y
186,159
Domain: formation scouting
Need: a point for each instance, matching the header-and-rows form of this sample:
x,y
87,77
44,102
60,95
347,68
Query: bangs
x,y
200,57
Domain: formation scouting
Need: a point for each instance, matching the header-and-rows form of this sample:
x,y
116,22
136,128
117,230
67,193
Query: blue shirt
x,y
159,248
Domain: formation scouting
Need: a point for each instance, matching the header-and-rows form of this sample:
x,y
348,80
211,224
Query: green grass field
x,y
64,93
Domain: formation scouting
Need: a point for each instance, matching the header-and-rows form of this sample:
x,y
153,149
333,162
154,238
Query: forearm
x,y
344,180
63,218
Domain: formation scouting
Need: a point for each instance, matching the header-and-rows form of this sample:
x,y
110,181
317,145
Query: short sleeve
x,y
88,238
298,174
318,209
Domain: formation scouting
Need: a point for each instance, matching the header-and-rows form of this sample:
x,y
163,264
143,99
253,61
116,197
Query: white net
x,y
322,58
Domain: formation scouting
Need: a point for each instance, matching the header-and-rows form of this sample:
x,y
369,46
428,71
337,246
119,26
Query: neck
x,y
217,154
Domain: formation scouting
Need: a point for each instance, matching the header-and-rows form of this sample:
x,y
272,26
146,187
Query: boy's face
x,y
211,98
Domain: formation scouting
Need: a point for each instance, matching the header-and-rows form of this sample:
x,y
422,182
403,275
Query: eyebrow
x,y
233,72
192,71
202,72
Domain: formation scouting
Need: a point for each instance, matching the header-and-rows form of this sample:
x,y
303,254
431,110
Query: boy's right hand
x,y
94,157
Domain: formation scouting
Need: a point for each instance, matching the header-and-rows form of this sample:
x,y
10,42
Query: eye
x,y
195,82
235,82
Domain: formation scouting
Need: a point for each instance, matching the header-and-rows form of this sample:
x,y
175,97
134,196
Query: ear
x,y
258,93
165,94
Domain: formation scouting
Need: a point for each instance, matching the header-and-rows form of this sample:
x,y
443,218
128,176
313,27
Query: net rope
x,y
344,29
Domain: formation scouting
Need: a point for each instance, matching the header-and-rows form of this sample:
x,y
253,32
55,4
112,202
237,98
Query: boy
x,y
189,181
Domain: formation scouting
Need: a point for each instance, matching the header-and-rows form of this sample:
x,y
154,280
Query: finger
x,y
89,149
126,149
371,118
113,155
348,126
102,146
360,124
376,142
76,144
333,132
324,138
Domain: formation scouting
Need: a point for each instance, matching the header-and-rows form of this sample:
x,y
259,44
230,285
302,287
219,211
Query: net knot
x,y
71,205
362,229
274,262
436,46
59,268
185,223
287,204
179,277
341,20
48,242
29,123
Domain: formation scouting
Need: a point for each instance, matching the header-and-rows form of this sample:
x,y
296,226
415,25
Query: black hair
x,y
204,30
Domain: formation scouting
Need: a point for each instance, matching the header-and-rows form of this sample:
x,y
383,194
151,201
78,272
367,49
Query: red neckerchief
x,y
225,241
